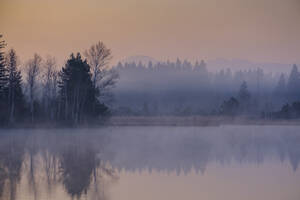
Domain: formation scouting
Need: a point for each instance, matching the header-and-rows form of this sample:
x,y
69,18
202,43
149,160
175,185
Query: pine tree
x,y
244,94
14,88
244,97
230,107
281,86
201,67
3,73
294,82
178,64
78,95
3,83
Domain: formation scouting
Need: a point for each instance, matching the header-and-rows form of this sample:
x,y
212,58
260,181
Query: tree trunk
x,y
31,105
12,109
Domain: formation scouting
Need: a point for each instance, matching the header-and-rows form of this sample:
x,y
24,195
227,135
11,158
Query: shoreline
x,y
180,121
193,121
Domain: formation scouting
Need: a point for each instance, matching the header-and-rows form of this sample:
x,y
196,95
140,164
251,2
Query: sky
x,y
257,30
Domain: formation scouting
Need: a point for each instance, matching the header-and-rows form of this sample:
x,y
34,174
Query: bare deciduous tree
x,y
32,73
105,85
98,57
50,87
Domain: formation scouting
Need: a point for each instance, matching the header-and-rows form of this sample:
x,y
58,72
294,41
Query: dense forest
x,y
86,90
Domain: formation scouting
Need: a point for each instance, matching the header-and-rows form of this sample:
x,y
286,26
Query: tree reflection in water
x,y
11,159
32,149
76,160
68,159
76,167
81,162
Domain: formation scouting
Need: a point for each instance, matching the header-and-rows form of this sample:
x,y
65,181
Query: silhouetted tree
x,y
98,57
201,67
14,88
3,83
77,166
230,107
50,77
296,109
281,86
294,82
244,97
150,65
32,73
178,64
3,174
12,150
284,112
3,74
289,111
77,93
244,94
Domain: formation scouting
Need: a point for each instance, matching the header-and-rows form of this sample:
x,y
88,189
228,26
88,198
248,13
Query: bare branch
x,y
98,56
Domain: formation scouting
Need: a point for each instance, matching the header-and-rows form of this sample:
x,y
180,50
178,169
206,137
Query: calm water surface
x,y
146,163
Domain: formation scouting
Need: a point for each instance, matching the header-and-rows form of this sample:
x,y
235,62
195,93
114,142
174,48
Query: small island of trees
x,y
38,93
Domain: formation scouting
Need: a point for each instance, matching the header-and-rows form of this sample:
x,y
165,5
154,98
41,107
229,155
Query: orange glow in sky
x,y
258,30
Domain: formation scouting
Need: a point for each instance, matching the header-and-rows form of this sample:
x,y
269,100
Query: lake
x,y
147,162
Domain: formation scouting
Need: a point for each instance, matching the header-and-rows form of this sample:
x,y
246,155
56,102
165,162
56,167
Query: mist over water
x,y
134,162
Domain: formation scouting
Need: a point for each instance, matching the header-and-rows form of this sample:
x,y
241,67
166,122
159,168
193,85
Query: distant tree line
x,y
288,111
185,88
289,91
37,92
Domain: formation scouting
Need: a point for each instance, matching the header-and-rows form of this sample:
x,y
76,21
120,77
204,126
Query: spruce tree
x,y
294,82
3,73
78,95
14,89
281,86
3,83
230,107
244,97
244,94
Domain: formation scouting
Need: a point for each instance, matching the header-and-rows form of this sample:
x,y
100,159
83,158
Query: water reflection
x,y
11,159
183,149
49,159
83,163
